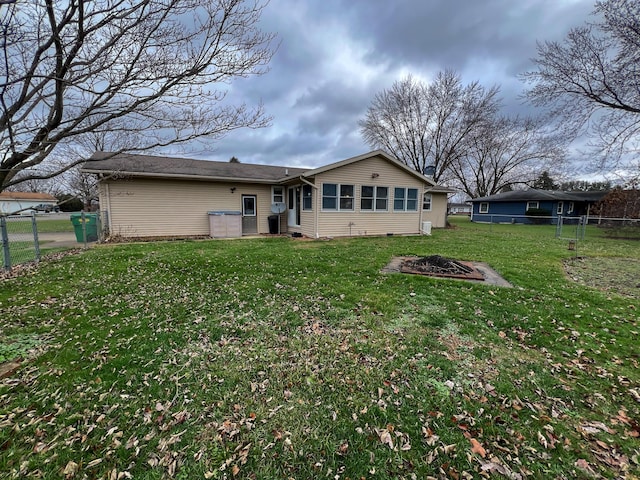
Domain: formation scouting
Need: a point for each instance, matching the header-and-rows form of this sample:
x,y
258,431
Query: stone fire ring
x,y
481,272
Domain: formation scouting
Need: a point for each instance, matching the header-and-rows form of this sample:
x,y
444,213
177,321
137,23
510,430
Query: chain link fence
x,y
571,228
617,228
23,236
19,240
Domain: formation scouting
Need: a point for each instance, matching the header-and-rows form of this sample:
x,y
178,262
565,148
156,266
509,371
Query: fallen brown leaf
x,y
477,448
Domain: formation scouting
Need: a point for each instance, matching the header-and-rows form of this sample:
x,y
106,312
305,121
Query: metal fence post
x,y
105,224
99,226
36,242
84,228
5,243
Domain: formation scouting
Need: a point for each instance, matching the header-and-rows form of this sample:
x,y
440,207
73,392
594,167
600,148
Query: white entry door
x,y
293,206
249,215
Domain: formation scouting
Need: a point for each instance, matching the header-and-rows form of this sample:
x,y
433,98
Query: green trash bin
x,y
91,226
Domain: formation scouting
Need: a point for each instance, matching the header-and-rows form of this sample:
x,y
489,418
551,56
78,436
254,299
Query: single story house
x,y
371,194
26,202
460,208
521,205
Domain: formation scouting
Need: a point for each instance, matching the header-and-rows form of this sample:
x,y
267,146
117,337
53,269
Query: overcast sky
x,y
335,55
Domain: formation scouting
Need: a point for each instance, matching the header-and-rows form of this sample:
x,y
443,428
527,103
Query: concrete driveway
x,y
58,240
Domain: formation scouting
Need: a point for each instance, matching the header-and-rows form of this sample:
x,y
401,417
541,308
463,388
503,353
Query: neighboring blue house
x,y
533,206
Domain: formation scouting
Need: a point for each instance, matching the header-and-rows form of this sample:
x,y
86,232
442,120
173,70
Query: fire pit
x,y
437,266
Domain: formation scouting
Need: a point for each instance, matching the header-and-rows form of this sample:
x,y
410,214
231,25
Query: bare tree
x,y
397,121
37,186
505,152
591,82
82,186
152,68
426,125
71,182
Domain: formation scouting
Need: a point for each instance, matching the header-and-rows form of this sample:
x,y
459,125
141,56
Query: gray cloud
x,y
335,55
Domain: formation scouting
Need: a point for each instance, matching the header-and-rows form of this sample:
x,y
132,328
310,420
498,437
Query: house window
x,y
484,207
346,197
307,197
405,199
412,199
374,198
277,194
532,205
367,197
329,196
337,197
249,206
560,208
426,202
399,198
571,207
382,198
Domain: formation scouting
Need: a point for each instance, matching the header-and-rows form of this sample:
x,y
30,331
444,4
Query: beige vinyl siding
x,y
356,222
307,219
158,208
438,213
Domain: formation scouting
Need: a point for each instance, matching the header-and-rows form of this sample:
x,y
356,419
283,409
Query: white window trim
x,y
571,208
430,202
374,199
560,208
537,205
244,209
406,199
484,207
338,197
304,187
273,194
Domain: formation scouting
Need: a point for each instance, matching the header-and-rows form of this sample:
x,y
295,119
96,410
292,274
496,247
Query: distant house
x,y
371,194
26,202
460,208
522,206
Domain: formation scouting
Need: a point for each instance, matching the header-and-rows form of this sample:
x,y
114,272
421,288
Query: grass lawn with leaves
x,y
283,358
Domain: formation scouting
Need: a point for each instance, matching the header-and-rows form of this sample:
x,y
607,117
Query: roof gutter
x,y
182,176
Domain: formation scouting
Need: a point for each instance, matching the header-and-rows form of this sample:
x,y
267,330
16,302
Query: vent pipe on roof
x,y
286,172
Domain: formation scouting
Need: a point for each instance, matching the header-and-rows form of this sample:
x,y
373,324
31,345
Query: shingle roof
x,y
170,167
153,166
541,195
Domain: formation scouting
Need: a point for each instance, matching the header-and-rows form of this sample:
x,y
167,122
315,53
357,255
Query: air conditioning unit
x,y
426,228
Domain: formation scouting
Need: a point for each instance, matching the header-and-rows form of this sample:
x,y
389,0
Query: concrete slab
x,y
59,240
491,277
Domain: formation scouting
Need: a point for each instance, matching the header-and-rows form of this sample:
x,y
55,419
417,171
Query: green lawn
x,y
46,224
56,225
283,358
